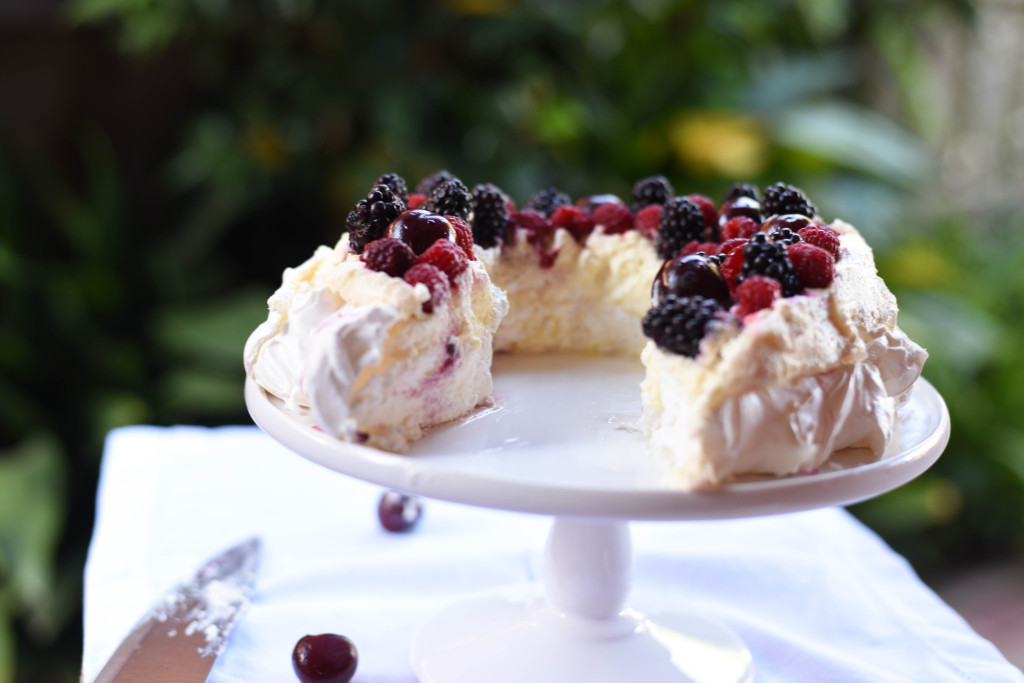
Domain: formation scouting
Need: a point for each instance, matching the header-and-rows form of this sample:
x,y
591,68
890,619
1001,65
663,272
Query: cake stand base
x,y
508,639
580,630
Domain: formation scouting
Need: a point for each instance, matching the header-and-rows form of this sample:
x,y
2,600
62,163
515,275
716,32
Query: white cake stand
x,y
560,440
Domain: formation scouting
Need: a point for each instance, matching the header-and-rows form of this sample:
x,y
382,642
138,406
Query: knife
x,y
179,638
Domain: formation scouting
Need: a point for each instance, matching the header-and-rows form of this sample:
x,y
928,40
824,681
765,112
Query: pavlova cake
x,y
768,338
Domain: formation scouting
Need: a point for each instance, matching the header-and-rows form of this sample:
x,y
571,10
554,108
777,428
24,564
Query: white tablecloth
x,y
815,596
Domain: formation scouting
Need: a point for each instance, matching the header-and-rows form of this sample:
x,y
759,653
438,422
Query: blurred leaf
x,y
955,333
853,138
212,332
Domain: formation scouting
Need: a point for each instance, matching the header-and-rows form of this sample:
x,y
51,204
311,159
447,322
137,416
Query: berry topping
x,y
732,266
783,236
782,199
763,257
681,222
434,279
577,221
546,201
463,236
793,221
743,227
416,200
326,657
389,255
647,220
755,293
654,189
450,198
822,236
678,324
739,206
399,512
693,247
397,185
448,257
371,217
616,218
707,208
420,228
691,275
814,266
741,190
533,223
426,186
593,201
490,215
728,246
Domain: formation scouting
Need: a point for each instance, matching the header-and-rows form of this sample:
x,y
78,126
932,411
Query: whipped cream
x,y
812,374
354,348
590,300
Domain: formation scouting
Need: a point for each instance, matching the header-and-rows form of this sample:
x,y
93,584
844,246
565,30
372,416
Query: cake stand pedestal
x,y
560,441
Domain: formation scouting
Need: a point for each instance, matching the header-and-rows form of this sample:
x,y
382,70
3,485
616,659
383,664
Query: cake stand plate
x,y
560,439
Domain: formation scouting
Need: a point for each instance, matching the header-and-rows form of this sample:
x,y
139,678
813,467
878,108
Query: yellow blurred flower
x,y
919,266
720,143
479,7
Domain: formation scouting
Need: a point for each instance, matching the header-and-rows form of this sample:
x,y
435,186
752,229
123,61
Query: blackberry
x,y
780,199
741,190
426,186
397,185
654,189
371,216
784,236
546,201
681,222
490,215
677,324
763,257
450,198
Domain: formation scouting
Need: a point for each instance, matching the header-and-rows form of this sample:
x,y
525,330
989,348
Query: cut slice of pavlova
x,y
776,350
386,334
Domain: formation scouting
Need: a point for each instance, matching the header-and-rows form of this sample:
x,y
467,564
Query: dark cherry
x,y
740,206
590,203
420,228
399,512
326,657
793,221
689,275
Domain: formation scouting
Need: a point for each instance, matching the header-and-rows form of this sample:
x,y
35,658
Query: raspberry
x,y
728,246
757,292
741,190
448,257
533,222
546,201
647,219
389,255
692,247
732,267
616,218
821,236
397,185
463,236
450,198
681,221
762,257
707,207
426,186
577,221
814,266
741,226
677,324
415,199
652,190
490,215
371,217
780,199
435,280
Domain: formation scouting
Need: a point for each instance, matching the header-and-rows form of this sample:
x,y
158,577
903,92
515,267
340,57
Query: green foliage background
x,y
130,280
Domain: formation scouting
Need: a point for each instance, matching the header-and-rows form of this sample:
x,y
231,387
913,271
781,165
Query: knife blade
x,y
179,638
